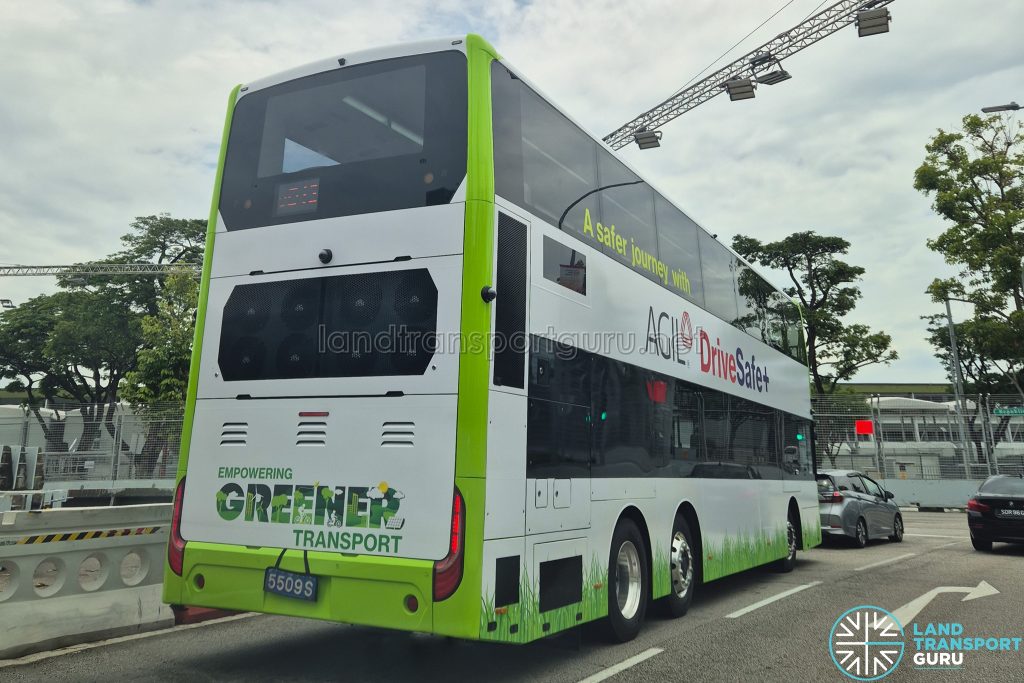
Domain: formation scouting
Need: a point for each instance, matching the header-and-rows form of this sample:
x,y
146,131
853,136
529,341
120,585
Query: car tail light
x,y
832,497
836,496
176,545
973,504
448,572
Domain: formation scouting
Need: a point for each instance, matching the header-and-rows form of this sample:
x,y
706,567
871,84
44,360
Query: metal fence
x,y
932,437
118,447
113,447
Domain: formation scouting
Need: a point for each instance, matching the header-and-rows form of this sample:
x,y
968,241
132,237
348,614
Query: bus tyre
x,y
682,570
628,584
788,563
860,538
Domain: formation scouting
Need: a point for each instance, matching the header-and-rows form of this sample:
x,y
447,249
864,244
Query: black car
x,y
996,512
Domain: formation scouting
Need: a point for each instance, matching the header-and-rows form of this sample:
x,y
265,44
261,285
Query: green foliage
x,y
824,285
161,374
976,179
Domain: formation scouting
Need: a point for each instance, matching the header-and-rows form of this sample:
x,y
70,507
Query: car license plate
x,y
1011,513
290,584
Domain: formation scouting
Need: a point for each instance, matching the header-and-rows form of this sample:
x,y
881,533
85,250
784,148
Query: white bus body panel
x,y
395,454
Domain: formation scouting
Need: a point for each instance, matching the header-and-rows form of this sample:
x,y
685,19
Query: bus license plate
x,y
290,584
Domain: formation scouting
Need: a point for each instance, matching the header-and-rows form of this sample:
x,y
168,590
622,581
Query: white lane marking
x,y
934,536
768,601
882,562
39,656
623,665
946,545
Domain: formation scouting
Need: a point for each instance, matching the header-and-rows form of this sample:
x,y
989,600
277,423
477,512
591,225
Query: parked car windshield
x,y
1006,486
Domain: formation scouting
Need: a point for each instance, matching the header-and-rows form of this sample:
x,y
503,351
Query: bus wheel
x,y
628,589
682,572
789,561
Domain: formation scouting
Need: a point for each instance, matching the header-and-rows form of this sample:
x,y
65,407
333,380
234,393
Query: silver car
x,y
853,504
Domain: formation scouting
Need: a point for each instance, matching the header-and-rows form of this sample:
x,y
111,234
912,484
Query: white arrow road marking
x,y
906,614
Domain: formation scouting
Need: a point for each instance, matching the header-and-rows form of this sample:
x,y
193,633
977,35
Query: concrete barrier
x,y
72,575
932,493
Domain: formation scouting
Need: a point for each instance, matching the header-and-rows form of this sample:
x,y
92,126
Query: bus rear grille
x,y
234,433
311,433
397,434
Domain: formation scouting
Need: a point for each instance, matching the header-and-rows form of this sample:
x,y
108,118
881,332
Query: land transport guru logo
x,y
672,338
329,517
866,643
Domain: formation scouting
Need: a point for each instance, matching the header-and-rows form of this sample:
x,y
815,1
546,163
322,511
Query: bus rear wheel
x,y
628,583
682,569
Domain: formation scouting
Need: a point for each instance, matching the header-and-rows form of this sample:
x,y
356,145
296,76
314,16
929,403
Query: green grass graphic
x,y
661,573
740,552
811,528
529,621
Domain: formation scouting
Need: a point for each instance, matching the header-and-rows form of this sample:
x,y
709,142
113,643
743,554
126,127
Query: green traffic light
x,y
799,437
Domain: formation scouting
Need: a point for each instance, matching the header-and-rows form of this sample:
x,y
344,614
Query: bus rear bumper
x,y
364,590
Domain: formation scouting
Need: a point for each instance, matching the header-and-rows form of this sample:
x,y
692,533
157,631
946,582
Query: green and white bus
x,y
459,370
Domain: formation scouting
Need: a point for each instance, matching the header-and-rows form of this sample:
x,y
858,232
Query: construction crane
x,y
84,269
760,66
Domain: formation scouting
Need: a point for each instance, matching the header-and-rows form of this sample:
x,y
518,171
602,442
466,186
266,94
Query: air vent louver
x,y
397,434
234,433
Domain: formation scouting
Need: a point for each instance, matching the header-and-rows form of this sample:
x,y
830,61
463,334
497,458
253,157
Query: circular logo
x,y
685,332
866,643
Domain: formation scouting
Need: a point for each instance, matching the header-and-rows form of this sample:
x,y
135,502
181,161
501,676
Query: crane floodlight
x,y
774,77
740,89
648,139
873,21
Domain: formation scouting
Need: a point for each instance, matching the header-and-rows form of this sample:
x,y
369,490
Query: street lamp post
x,y
1012,106
958,386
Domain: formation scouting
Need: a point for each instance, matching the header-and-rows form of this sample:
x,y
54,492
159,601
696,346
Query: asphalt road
x,y
721,639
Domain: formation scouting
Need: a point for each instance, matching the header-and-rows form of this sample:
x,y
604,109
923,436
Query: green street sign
x,y
1011,410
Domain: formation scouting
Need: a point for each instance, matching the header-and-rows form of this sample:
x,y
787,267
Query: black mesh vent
x,y
510,318
372,324
561,583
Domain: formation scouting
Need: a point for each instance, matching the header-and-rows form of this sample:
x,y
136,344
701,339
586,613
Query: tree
x,y
158,385
161,373
824,285
79,344
976,177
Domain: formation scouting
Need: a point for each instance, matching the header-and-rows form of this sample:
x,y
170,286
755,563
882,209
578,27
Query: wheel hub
x,y
628,579
682,565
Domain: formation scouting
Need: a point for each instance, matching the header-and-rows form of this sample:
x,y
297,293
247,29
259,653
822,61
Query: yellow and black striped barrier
x,y
86,535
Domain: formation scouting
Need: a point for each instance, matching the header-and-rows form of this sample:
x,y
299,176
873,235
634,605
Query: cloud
x,y
114,109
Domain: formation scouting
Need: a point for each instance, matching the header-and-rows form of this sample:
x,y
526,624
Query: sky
x,y
112,109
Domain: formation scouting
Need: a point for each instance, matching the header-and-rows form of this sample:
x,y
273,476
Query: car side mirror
x,y
889,495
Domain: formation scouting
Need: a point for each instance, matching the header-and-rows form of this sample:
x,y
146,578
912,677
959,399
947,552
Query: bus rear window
x,y
371,137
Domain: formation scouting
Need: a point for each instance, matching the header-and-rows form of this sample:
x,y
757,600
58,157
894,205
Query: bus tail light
x,y
176,545
977,506
448,572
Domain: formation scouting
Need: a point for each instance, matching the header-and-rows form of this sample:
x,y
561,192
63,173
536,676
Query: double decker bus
x,y
458,369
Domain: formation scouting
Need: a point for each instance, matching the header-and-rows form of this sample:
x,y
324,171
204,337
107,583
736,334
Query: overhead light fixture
x,y
6,303
872,21
774,77
761,58
1012,106
740,89
647,139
